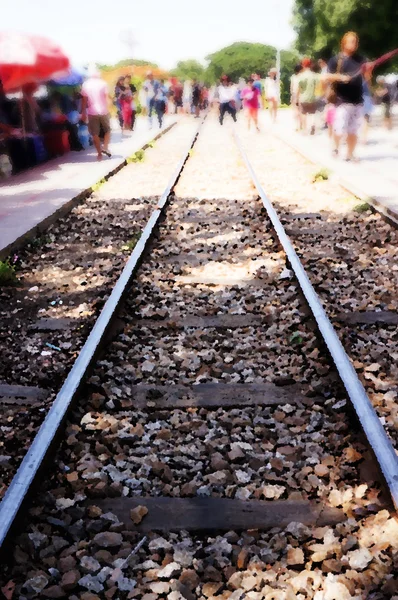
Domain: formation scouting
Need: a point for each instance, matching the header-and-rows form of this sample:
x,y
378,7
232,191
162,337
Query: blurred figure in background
x,y
307,86
294,96
133,91
250,96
118,89
196,96
323,66
383,93
95,96
125,101
226,97
161,101
259,86
178,92
143,100
272,92
187,96
367,110
151,87
205,98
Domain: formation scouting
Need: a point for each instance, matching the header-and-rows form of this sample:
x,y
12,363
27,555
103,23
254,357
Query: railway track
x,y
215,418
64,278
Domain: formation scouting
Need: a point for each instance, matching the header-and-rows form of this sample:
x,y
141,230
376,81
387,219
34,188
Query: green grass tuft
x,y
321,175
362,207
7,273
296,338
131,244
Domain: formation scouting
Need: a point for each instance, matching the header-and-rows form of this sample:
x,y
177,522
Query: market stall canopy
x,y
28,58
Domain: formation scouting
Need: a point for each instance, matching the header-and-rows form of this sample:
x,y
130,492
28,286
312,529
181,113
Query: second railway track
x,y
216,419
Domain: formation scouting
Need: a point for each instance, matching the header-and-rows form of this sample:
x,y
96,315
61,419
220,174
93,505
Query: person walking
x,y
383,93
95,97
196,97
250,95
226,97
187,96
307,88
272,92
118,89
161,101
257,84
367,110
345,75
124,99
294,96
151,87
178,92
133,90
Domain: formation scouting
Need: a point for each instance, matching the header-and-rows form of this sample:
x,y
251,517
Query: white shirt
x,y
226,93
271,88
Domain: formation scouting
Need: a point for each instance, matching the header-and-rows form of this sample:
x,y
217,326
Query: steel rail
x,y
374,431
22,481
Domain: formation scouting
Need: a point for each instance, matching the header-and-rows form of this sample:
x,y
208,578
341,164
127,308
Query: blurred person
x,y
161,101
272,92
345,74
367,110
213,96
196,96
118,88
95,96
294,96
143,100
125,100
6,125
323,66
307,86
205,98
226,98
133,90
250,95
383,93
151,88
259,86
187,96
178,92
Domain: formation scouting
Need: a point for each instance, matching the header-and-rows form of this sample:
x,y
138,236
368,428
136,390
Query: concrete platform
x,y
374,179
30,200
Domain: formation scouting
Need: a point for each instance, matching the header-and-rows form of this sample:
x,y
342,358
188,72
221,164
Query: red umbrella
x,y
28,58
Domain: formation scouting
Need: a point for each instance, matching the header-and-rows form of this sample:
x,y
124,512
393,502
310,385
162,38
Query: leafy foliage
x,y
362,207
320,24
128,62
189,69
7,273
241,59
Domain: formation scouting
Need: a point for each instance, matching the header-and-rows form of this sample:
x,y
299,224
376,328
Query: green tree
x,y
189,69
320,24
127,62
243,58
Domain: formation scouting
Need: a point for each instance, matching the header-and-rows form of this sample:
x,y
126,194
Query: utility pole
x,y
128,38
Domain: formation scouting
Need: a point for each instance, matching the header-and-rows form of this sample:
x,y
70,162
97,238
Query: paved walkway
x,y
374,178
28,199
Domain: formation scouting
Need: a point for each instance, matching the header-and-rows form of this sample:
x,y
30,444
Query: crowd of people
x,y
340,95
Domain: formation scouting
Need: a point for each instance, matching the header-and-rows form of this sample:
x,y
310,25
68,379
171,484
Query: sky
x,y
163,31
